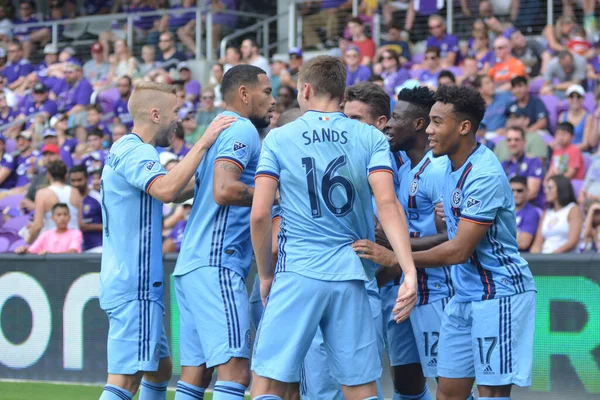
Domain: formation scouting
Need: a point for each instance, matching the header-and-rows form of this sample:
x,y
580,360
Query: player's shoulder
x,y
485,162
130,145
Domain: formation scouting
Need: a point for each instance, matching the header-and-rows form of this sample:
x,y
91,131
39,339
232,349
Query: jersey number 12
x,y
328,184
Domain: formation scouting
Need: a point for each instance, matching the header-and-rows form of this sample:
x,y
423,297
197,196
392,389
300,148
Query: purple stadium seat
x,y
548,138
15,244
587,160
589,102
418,58
497,139
11,145
457,71
416,73
551,103
577,185
4,244
535,85
11,201
14,225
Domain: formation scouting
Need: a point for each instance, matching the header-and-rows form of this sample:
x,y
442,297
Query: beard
x,y
260,123
163,139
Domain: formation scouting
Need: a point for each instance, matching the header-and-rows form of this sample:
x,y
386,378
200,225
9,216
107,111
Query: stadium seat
x,y
416,73
577,185
11,146
535,85
4,244
457,71
587,160
551,103
11,201
14,225
15,244
589,102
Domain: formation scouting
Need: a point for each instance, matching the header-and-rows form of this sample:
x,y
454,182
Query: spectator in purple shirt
x,y
51,137
7,114
192,87
120,107
17,67
448,44
392,72
94,160
94,120
528,215
76,99
433,67
172,243
520,164
26,160
8,174
50,58
90,7
355,72
38,102
29,36
178,145
90,213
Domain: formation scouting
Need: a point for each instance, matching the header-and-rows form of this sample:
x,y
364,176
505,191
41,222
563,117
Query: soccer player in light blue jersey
x,y
133,185
325,166
216,251
488,326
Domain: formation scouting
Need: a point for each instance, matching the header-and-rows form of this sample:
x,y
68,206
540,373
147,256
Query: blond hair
x,y
149,85
143,99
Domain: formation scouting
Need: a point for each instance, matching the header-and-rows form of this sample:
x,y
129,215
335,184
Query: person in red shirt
x,y
506,67
366,46
567,159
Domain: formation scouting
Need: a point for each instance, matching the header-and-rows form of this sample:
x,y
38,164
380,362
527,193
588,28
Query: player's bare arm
x,y
260,231
168,187
227,188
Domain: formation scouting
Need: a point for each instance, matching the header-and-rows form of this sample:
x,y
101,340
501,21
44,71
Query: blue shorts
x,y
296,307
490,340
136,337
426,321
256,306
400,339
214,316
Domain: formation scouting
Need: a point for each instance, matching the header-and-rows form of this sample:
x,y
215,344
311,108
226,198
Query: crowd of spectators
x,y
59,117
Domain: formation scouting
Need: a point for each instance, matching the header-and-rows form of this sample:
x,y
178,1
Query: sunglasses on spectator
x,y
575,96
518,190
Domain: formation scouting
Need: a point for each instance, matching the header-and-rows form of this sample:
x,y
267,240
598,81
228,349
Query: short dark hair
x,y
326,75
95,107
57,170
565,53
565,126
356,20
478,82
234,48
467,102
97,172
372,95
375,78
60,205
518,80
179,132
128,79
79,169
240,75
96,132
518,129
433,49
421,99
289,89
447,74
564,190
253,42
289,115
519,179
220,66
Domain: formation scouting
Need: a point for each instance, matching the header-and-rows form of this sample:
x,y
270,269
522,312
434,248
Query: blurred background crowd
x,y
65,83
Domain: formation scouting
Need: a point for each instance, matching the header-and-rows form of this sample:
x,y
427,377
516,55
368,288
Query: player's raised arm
x,y
154,109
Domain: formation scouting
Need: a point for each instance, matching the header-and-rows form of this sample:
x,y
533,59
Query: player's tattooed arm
x,y
227,188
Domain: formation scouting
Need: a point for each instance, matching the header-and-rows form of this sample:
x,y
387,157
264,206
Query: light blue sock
x,y
379,390
185,391
153,391
268,397
228,391
424,395
112,392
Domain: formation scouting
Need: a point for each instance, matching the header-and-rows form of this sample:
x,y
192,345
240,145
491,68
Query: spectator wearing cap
x,y
120,107
392,72
530,51
495,113
295,62
191,129
38,102
395,42
29,36
50,58
506,67
191,86
446,43
49,136
520,164
433,67
566,69
96,70
579,117
77,97
528,215
168,160
530,105
94,120
535,146
8,168
178,146
567,159
94,159
365,45
90,212
172,243
168,57
355,72
251,56
17,67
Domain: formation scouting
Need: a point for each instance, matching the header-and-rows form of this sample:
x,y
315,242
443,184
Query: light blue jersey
x,y
219,236
132,267
479,192
322,161
419,191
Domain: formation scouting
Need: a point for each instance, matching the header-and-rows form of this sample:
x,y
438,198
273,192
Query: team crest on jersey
x,y
239,149
523,167
414,187
86,208
456,197
473,204
150,165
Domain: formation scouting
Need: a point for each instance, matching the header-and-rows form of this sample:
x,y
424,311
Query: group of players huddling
x,y
338,208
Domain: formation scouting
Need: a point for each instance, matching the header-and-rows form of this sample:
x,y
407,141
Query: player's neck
x,y
417,153
238,110
323,105
464,151
144,132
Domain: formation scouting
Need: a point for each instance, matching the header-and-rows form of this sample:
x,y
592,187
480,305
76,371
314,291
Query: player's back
x,y
479,192
132,265
219,236
323,161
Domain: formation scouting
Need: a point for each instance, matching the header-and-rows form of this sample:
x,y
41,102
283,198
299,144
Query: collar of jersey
x,y
326,112
228,112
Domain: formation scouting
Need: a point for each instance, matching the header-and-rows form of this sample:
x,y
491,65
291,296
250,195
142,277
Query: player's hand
x,y
374,252
265,289
407,298
215,128
439,210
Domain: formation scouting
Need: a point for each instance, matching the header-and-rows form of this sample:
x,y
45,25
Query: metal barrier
x,y
257,27
20,121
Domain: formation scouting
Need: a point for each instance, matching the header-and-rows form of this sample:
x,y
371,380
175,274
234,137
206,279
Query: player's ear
x,y
380,122
244,94
465,127
155,115
419,124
